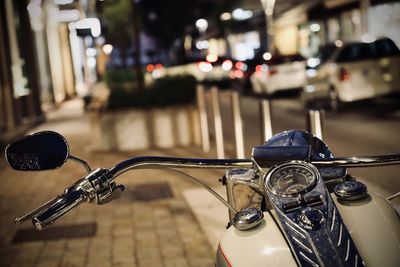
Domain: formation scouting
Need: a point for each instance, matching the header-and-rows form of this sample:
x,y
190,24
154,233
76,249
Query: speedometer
x,y
291,179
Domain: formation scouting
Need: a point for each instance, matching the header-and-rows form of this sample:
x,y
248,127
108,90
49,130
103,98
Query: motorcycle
x,y
292,204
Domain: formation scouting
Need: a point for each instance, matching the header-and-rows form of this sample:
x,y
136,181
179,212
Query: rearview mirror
x,y
38,152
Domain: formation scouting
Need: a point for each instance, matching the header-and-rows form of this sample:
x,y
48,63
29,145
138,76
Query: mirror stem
x,y
81,161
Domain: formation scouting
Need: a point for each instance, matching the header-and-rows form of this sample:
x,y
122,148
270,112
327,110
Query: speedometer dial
x,y
291,179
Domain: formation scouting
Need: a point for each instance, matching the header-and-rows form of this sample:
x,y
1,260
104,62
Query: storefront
x,y
19,89
346,21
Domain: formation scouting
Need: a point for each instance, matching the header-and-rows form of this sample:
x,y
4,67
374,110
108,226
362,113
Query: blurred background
x,y
52,51
194,78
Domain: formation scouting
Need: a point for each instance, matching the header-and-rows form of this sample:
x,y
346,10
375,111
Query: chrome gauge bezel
x,y
302,164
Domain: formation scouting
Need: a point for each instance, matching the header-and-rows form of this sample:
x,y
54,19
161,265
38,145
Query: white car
x,y
280,73
353,71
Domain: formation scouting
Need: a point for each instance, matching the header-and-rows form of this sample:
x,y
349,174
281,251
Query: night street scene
x,y
199,133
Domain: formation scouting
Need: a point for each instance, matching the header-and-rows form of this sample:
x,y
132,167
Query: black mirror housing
x,y
41,151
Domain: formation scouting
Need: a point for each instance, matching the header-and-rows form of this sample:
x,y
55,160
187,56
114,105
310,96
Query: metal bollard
x,y
201,104
266,120
237,124
219,139
315,123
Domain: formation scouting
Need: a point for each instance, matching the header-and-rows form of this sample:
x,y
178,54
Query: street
x,y
363,129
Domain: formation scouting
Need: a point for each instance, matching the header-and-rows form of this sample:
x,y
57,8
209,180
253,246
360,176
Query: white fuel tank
x,y
261,246
373,224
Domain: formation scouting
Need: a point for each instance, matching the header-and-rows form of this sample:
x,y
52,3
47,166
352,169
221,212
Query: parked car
x,y
354,71
221,71
278,74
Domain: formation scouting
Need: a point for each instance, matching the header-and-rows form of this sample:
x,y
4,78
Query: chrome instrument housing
x,y
312,224
277,174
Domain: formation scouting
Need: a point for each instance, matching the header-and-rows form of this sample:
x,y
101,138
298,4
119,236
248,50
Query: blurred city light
x,y
63,2
310,88
225,16
107,48
211,57
338,43
238,74
267,56
311,73
315,27
241,66
202,25
150,67
241,14
205,66
90,23
262,68
91,52
156,74
313,62
202,44
227,65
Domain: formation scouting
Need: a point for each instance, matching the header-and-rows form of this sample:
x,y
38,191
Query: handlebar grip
x,y
62,205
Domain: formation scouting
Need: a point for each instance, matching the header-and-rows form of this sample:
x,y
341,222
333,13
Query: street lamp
x,y
225,16
201,25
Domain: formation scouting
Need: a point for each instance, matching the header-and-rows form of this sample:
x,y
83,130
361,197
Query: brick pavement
x,y
129,232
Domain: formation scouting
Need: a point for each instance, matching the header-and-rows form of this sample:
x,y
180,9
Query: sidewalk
x,y
151,225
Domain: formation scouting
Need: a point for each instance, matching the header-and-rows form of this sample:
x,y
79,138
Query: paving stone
x,y
124,264
52,254
176,262
170,252
50,263
161,232
149,262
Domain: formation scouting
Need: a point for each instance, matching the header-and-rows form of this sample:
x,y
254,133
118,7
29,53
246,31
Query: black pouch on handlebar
x,y
268,156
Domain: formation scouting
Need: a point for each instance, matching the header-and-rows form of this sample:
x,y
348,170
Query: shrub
x,y
164,91
116,77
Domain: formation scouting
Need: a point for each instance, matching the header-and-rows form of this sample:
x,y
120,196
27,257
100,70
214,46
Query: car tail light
x,y
150,67
344,75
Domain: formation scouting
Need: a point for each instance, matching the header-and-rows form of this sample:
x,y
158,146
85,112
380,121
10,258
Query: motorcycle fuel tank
x,y
372,222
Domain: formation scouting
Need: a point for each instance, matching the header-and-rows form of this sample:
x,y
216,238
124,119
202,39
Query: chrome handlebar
x,y
61,206
99,185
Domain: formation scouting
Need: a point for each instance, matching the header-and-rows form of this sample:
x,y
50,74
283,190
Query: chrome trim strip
x,y
356,260
308,260
340,235
347,250
333,219
294,229
302,245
